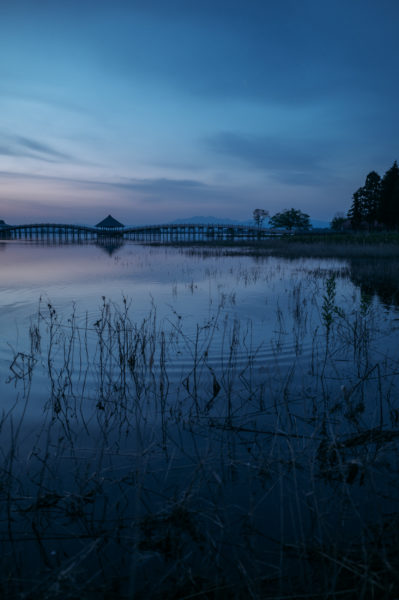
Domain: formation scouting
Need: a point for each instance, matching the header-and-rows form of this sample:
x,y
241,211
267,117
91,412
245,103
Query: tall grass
x,y
140,461
311,244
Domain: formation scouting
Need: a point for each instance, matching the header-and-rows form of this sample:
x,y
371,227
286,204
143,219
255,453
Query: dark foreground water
x,y
179,423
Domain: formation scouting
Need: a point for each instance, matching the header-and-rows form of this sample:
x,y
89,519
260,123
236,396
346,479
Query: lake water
x,y
176,410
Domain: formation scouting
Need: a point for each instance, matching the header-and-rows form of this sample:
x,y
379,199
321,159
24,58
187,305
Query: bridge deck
x,y
163,231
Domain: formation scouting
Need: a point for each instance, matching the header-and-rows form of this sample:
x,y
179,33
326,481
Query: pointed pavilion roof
x,y
109,223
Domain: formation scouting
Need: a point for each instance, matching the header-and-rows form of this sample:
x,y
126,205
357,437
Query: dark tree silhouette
x,y
355,213
371,196
291,219
388,212
259,215
338,222
377,202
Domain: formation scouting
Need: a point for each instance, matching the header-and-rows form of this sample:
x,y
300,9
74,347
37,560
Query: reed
x,y
311,244
141,461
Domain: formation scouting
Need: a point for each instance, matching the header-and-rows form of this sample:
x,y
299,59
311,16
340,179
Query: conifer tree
x,y
377,202
371,198
355,213
388,213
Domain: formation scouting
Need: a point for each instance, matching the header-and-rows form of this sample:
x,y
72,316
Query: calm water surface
x,y
277,301
229,387
264,314
195,286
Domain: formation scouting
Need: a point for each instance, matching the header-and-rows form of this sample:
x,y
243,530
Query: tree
x,y
259,215
388,212
377,202
291,219
355,213
338,222
366,202
371,198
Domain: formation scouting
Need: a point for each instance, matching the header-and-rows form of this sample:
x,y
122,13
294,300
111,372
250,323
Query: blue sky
x,y
162,109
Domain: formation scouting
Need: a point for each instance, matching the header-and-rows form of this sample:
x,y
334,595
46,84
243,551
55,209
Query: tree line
x,y
376,204
289,219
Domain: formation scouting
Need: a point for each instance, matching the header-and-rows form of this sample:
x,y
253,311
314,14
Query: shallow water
x,y
205,384
176,282
275,304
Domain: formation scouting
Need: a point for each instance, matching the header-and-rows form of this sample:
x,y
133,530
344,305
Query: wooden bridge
x,y
167,232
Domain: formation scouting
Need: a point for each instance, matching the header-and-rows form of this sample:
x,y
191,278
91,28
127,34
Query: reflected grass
x,y
141,461
376,245
374,268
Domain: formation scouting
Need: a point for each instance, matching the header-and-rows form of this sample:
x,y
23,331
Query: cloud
x,y
161,185
161,188
41,148
294,162
264,152
34,198
164,191
25,198
26,147
290,52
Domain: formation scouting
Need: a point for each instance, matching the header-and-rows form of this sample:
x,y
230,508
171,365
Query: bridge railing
x,y
181,229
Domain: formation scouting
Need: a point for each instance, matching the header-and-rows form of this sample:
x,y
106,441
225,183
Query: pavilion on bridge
x,y
110,226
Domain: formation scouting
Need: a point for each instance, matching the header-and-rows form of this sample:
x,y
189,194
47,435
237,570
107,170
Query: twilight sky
x,y
161,109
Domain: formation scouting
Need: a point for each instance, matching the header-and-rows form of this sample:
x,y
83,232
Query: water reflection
x,y
378,277
193,420
110,245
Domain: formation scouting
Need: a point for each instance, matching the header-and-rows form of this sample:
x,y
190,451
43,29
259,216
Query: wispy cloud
x,y
294,162
14,145
24,197
41,148
160,187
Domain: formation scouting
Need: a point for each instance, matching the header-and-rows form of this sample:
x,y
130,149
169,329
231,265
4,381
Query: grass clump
x,y
141,461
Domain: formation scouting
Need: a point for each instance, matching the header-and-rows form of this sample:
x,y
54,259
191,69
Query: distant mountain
x,y
200,220
320,224
217,220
